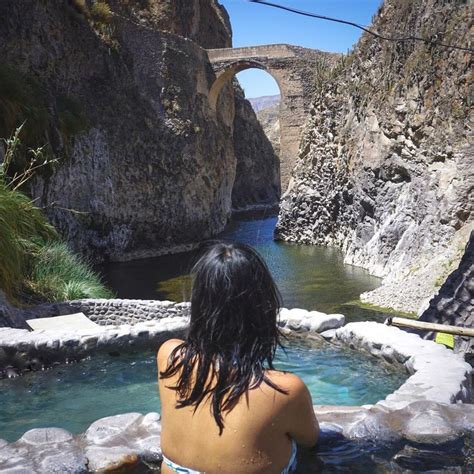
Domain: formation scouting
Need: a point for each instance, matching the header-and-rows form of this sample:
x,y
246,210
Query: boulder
x,y
112,430
42,436
108,459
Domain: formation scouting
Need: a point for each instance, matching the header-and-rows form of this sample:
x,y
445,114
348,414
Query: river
x,y
310,277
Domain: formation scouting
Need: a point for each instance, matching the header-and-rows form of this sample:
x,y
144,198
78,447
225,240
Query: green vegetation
x,y
327,71
32,160
58,274
35,263
99,15
22,99
101,12
22,231
81,7
382,309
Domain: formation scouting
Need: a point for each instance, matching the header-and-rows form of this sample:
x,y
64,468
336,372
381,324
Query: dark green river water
x,y
310,277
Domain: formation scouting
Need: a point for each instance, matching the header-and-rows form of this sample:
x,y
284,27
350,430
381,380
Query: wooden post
x,y
410,323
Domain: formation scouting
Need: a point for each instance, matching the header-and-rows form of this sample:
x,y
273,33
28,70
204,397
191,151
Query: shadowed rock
x,y
454,302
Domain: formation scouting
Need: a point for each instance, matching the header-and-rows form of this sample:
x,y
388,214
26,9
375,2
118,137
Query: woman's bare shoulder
x,y
166,348
289,382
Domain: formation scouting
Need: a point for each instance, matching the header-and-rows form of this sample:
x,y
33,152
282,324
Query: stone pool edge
x,y
422,410
427,409
122,325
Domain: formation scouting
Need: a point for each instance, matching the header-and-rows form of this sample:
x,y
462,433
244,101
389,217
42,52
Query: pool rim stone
x,y
401,415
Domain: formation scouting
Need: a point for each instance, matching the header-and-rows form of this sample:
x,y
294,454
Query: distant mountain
x,y
264,102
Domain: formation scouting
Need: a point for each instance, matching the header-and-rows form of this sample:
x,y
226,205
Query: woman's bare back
x,y
257,431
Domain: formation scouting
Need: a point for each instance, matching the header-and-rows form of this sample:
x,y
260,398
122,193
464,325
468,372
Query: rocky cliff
x,y
270,120
454,303
386,164
257,180
206,22
144,165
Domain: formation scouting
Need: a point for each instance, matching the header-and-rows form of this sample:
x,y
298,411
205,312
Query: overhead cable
x,y
363,28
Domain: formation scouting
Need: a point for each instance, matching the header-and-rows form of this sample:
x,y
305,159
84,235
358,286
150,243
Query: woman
x,y
225,409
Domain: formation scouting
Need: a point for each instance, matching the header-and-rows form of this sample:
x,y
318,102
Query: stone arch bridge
x,y
296,71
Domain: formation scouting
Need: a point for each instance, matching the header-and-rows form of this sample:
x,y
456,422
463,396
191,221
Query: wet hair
x,y
233,333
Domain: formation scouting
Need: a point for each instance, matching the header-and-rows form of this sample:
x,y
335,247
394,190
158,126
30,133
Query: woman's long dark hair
x,y
233,333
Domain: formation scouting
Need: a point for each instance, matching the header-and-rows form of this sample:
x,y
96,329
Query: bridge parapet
x,y
268,51
247,52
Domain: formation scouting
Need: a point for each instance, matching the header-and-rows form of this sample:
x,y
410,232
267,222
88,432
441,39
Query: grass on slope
x,y
22,230
33,260
58,274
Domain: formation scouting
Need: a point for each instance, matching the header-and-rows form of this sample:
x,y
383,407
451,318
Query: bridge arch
x,y
294,69
226,75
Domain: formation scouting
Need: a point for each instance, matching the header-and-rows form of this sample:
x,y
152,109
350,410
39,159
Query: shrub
x,y
101,12
31,255
23,229
58,274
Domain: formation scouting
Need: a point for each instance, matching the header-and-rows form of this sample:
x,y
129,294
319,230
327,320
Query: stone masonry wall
x,y
415,424
102,311
117,311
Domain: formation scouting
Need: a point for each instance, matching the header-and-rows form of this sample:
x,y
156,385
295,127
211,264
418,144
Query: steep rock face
x,y
454,303
152,168
8,313
257,178
386,167
267,110
144,165
270,120
204,21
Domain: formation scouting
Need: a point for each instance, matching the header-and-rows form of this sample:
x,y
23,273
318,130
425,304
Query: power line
x,y
360,27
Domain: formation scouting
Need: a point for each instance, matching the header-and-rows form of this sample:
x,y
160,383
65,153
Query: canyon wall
x,y
206,22
386,167
270,120
144,166
257,180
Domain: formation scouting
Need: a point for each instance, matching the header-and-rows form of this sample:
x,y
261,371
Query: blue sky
x,y
254,24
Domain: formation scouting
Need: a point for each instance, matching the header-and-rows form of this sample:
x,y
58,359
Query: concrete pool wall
x,y
425,409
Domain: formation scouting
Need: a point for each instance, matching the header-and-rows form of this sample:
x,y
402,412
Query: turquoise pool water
x,y
74,396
